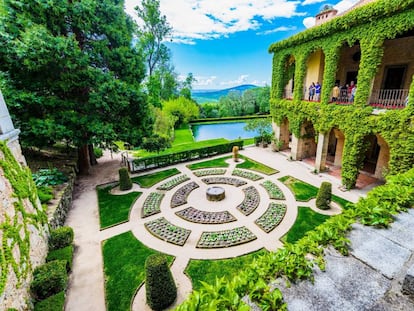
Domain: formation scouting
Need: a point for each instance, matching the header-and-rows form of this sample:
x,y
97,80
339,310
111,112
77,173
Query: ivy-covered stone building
x,y
371,128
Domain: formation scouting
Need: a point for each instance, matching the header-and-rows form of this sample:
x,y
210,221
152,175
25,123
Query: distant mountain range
x,y
204,96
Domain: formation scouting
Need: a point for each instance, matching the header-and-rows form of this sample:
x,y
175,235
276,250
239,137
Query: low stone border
x,y
224,180
164,230
180,196
214,171
225,238
246,174
251,201
273,190
272,217
202,217
173,182
152,204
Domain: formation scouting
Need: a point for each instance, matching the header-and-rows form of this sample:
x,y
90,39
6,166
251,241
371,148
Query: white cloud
x,y
204,81
242,79
309,22
306,2
278,29
207,19
344,5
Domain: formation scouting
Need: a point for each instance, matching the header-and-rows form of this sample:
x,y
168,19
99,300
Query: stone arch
x,y
283,134
348,68
289,76
377,156
305,145
315,67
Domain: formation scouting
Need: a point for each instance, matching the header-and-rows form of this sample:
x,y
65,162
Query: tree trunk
x,y
92,158
83,160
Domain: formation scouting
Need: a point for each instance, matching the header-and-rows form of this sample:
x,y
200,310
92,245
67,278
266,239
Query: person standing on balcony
x,y
354,89
317,91
311,91
335,93
350,88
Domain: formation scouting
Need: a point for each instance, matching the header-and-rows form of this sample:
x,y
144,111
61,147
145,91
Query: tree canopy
x,y
69,72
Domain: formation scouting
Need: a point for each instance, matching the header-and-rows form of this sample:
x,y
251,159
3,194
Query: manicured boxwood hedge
x,y
125,182
65,253
60,238
141,164
52,303
49,279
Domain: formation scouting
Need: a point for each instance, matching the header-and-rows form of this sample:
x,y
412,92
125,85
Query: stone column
x,y
321,152
8,133
296,148
339,148
383,158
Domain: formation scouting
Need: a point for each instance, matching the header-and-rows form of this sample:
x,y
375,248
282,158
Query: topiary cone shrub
x,y
159,284
323,199
235,153
125,182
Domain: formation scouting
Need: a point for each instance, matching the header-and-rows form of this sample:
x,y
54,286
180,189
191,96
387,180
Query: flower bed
x,y
272,217
225,238
251,201
224,180
173,182
202,217
214,171
180,196
246,174
273,190
164,230
152,204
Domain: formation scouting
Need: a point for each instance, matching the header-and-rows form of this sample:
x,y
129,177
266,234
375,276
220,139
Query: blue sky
x,y
224,43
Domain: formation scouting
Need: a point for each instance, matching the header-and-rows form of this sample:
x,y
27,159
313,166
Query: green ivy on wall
x,y
15,227
368,26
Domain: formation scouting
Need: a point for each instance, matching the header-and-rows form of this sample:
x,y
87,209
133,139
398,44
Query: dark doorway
x,y
394,77
351,76
371,154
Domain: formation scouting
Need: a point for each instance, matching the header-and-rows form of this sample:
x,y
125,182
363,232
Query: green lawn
x,y
302,191
149,180
256,166
208,270
124,268
307,220
114,209
183,135
220,162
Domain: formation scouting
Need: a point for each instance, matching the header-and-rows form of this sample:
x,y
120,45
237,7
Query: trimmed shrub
x,y
49,279
52,303
60,238
323,199
160,288
65,253
45,193
125,182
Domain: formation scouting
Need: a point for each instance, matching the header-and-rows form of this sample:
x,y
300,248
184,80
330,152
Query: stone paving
x,y
88,267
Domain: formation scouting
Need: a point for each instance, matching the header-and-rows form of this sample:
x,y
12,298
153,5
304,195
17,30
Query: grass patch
x,y
149,180
220,162
307,220
114,209
302,190
345,204
256,166
124,267
183,135
208,270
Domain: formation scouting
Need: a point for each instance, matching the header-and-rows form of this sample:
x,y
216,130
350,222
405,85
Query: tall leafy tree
x,y
153,31
70,73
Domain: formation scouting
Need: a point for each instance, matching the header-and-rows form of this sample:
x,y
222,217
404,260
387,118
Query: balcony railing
x,y
389,99
382,98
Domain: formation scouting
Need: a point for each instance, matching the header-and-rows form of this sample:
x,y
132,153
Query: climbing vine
x,y
15,227
369,26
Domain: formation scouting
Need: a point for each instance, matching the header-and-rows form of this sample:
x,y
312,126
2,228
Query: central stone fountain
x,y
215,193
